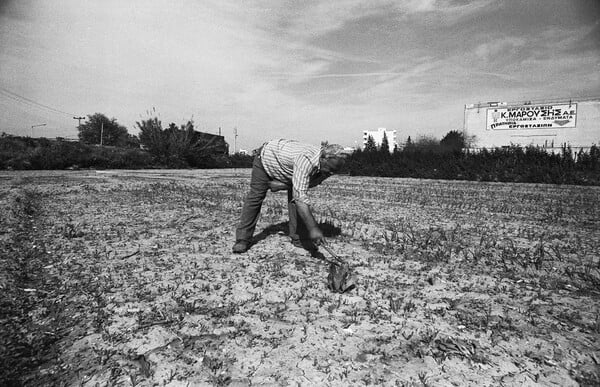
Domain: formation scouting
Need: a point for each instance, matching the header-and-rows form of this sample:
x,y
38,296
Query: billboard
x,y
531,117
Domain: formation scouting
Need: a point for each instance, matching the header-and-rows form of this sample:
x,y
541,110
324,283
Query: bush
x,y
42,153
512,164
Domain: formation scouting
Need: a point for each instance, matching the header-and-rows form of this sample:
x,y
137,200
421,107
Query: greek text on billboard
x,y
531,117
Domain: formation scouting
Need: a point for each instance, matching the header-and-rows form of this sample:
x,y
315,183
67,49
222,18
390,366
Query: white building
x,y
548,124
378,137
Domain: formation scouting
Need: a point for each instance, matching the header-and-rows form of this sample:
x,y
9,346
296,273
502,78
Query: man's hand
x,y
314,232
275,186
316,236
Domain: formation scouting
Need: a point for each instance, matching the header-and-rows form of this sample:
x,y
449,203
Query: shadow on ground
x,y
329,230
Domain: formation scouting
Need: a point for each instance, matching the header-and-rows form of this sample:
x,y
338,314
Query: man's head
x,y
333,158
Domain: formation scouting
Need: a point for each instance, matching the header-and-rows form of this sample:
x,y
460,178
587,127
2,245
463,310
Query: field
x,y
121,278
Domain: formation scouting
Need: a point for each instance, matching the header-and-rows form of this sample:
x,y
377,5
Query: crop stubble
x,y
127,277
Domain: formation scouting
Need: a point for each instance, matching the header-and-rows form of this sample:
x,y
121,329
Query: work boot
x,y
296,242
240,246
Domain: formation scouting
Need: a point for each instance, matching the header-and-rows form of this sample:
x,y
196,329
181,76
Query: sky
x,y
308,70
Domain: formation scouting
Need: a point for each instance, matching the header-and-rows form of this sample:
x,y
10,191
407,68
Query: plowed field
x,y
120,278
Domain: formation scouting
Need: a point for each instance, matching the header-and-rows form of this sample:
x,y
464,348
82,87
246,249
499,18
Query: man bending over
x,y
287,164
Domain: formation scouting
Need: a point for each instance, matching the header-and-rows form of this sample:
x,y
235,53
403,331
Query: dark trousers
x,y
259,186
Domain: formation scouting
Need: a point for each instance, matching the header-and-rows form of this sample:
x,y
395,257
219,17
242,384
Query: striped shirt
x,y
292,162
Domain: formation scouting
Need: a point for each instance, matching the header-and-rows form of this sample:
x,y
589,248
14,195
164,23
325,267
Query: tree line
x,y
451,159
104,143
183,147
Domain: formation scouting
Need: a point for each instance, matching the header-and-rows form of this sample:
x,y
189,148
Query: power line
x,y
14,99
29,102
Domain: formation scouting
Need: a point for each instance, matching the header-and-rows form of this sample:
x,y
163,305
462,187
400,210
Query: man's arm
x,y
276,185
304,166
315,233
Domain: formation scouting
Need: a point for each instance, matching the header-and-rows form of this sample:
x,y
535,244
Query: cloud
x,y
452,8
499,48
281,68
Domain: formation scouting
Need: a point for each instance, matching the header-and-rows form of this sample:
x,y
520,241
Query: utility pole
x,y
78,121
101,133
234,139
35,126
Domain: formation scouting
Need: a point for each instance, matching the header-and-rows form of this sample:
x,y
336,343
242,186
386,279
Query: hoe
x,y
340,279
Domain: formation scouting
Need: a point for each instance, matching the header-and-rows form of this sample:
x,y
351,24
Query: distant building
x,y
548,124
211,143
378,137
243,151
